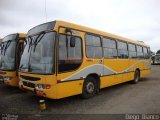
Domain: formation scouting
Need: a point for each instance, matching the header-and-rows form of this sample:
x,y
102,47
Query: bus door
x,y
94,54
69,61
123,61
109,62
19,51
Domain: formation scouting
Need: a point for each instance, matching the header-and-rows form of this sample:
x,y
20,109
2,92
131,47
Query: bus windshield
x,y
38,55
8,49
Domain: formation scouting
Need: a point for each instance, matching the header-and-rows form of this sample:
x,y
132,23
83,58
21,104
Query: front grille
x,y
29,78
28,84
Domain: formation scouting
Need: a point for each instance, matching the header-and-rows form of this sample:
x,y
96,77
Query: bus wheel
x,y
136,77
89,87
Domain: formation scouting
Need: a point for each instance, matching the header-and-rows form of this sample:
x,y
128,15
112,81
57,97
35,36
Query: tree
x,y
158,52
152,53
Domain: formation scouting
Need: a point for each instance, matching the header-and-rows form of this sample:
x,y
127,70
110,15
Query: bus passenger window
x,y
132,51
146,53
109,48
93,46
122,50
139,52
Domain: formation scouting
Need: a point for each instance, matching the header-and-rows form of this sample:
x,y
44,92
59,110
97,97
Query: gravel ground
x,y
126,98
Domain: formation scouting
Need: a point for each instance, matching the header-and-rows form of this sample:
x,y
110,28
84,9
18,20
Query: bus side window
x,y
149,52
122,50
93,46
140,52
132,51
109,48
145,51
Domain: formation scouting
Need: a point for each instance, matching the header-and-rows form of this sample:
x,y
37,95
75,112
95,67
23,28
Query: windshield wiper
x,y
38,39
30,42
2,47
6,46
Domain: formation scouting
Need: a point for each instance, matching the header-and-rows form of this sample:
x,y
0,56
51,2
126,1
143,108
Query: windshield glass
x,y
38,55
8,55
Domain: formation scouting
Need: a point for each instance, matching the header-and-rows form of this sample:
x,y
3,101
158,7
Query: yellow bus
x,y
11,50
62,59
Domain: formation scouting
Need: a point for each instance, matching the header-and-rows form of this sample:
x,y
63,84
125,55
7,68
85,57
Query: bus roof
x,y
21,35
94,31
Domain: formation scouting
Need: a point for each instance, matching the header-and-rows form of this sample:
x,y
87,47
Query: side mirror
x,y
72,41
68,30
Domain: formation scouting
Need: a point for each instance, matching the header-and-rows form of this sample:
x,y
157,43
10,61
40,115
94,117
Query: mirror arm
x,y
68,30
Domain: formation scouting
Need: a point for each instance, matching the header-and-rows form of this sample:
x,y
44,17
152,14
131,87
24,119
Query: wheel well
x,y
139,71
96,76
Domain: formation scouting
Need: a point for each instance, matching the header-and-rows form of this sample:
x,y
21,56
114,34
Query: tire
x,y
136,77
89,87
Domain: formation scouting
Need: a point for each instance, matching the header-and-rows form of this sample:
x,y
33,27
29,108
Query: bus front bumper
x,y
11,81
32,87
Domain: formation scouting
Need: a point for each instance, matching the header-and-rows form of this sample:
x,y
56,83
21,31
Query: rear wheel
x,y
89,87
136,77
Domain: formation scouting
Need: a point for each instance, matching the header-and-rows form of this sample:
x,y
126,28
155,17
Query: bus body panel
x,y
14,78
125,76
110,71
71,88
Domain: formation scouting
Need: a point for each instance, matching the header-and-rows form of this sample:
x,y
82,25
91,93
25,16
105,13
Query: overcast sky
x,y
135,19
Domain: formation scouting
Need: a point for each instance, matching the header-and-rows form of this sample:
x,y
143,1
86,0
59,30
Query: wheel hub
x,y
90,87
